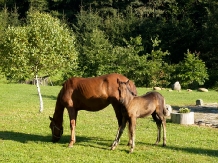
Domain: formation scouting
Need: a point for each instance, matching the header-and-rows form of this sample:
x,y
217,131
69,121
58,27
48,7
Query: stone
x,y
199,102
202,89
157,88
176,86
201,123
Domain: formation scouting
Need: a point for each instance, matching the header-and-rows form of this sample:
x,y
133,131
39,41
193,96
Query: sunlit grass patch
x,y
25,135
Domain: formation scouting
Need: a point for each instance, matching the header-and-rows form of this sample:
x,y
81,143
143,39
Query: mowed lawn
x,y
25,135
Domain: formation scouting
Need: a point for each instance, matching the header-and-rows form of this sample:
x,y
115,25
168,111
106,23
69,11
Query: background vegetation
x,y
25,135
154,43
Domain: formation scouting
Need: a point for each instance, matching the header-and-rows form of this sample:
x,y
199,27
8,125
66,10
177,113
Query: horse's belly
x,y
144,113
93,104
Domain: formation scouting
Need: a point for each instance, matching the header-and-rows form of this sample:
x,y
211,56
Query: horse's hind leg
x,y
158,132
158,123
164,131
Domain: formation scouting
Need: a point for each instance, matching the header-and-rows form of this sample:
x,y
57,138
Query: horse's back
x,y
147,104
154,97
92,93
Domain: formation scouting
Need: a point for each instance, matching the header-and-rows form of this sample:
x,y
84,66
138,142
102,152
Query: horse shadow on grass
x,y
94,142
192,150
80,140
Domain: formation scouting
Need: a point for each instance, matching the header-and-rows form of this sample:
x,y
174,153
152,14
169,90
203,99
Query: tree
x,y
192,71
43,47
158,69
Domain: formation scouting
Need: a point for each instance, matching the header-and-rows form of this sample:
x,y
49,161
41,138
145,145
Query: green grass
x,y
25,135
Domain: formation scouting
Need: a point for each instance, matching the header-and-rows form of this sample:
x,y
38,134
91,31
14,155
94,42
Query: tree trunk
x,y
40,96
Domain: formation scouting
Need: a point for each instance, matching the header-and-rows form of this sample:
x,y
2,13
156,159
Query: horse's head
x,y
125,94
56,131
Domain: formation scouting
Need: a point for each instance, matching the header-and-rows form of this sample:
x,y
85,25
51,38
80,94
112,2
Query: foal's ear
x,y
118,81
127,81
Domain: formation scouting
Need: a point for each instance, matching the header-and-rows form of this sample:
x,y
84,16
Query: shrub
x,y
184,110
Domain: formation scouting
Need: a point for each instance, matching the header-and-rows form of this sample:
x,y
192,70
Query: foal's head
x,y
56,131
125,94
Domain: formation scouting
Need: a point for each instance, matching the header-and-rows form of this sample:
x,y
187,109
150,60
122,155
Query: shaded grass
x,y
25,135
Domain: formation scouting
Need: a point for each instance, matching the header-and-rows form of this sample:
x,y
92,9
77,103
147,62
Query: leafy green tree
x,y
158,69
40,5
192,71
43,47
95,54
8,19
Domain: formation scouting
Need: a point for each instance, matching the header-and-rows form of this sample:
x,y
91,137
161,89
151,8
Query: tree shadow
x,y
52,97
49,97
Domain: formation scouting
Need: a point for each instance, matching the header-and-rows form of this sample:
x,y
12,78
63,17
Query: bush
x,y
184,110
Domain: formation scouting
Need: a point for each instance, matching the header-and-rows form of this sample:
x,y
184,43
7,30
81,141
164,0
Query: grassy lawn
x,y
25,135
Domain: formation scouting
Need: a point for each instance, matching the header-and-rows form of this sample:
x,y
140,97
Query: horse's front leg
x,y
119,133
132,126
72,115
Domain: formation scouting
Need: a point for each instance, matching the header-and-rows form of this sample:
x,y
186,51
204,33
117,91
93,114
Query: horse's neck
x,y
58,114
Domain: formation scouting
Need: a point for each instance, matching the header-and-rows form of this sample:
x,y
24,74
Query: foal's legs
x,y
160,120
72,115
164,131
158,123
132,126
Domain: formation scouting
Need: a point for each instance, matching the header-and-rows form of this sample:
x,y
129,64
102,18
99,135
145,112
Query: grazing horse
x,y
152,103
91,94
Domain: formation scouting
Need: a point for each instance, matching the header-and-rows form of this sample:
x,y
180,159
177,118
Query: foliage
x,y
43,46
180,25
95,55
158,69
192,71
184,110
8,19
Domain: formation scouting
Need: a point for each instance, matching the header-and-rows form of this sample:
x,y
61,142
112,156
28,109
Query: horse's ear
x,y
127,81
51,118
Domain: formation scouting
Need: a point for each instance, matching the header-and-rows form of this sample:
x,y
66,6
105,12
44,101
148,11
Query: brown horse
x,y
91,94
152,103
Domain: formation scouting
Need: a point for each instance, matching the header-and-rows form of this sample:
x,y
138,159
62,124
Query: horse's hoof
x,y
131,150
113,148
70,145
